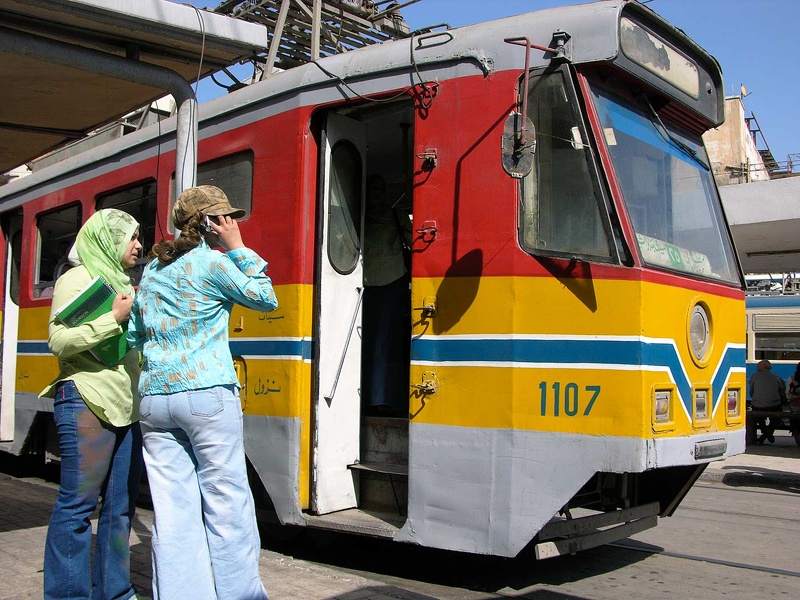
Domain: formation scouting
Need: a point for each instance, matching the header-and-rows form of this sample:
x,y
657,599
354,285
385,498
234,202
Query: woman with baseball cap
x,y
205,542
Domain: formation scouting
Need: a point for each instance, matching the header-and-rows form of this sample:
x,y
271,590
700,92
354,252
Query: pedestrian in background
x,y
768,393
793,389
205,541
96,412
793,397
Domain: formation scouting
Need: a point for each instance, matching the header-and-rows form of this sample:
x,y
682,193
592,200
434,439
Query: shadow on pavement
x,y
762,477
385,560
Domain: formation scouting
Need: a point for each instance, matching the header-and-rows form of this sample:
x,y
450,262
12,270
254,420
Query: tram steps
x,y
386,469
383,467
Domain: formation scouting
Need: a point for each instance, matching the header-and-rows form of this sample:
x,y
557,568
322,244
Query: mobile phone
x,y
207,225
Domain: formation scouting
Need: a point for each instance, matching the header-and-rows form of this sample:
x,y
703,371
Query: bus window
x,y
140,202
562,206
232,174
56,233
345,207
778,346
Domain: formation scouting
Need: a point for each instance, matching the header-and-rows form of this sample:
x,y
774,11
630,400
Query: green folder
x,y
91,302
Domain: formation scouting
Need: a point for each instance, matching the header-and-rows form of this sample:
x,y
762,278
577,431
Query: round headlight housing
x,y
699,332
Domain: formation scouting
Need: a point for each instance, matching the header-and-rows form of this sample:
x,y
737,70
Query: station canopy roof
x,y
44,105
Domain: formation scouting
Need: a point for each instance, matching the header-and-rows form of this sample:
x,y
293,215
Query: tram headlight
x,y
699,332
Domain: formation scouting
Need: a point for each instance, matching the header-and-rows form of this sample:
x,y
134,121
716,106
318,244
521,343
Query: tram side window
x,y
562,211
139,201
232,174
56,233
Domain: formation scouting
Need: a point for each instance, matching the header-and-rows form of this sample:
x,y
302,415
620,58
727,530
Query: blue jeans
x,y
97,460
205,540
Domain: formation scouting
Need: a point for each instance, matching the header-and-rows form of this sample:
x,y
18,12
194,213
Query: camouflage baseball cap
x,y
206,199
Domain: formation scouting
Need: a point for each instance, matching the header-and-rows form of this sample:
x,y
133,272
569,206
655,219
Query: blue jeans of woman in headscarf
x,y
98,460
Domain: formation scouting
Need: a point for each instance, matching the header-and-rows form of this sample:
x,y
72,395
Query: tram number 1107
x,y
567,399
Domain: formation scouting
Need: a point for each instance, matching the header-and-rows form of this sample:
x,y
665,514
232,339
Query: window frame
x,y
604,208
38,285
248,157
715,213
356,218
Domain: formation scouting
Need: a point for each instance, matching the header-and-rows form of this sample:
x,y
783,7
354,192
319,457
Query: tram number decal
x,y
567,398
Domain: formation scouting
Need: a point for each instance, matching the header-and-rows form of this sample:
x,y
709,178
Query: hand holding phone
x,y
227,233
207,225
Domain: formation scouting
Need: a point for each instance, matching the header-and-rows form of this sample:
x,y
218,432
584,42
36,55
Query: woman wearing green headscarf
x,y
96,411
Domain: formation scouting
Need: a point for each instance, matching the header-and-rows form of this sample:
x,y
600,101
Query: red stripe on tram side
x,y
471,199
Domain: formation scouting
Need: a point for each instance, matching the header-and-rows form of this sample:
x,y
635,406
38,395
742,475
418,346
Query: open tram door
x,y
338,297
11,238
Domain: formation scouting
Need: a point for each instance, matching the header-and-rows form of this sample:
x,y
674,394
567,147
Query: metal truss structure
x,y
304,31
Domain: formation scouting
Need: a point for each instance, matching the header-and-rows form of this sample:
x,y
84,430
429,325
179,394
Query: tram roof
x,y
46,105
592,25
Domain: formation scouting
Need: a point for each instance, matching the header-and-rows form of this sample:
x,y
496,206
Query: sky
x,y
755,41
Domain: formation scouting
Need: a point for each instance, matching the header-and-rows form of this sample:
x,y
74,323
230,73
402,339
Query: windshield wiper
x,y
667,135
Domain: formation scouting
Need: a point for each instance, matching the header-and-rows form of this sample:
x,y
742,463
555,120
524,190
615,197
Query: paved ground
x,y
25,506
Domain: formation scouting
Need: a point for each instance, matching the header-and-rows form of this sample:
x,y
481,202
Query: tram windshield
x,y
669,191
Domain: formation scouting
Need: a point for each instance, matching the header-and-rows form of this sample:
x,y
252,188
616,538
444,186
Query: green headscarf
x,y
101,245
